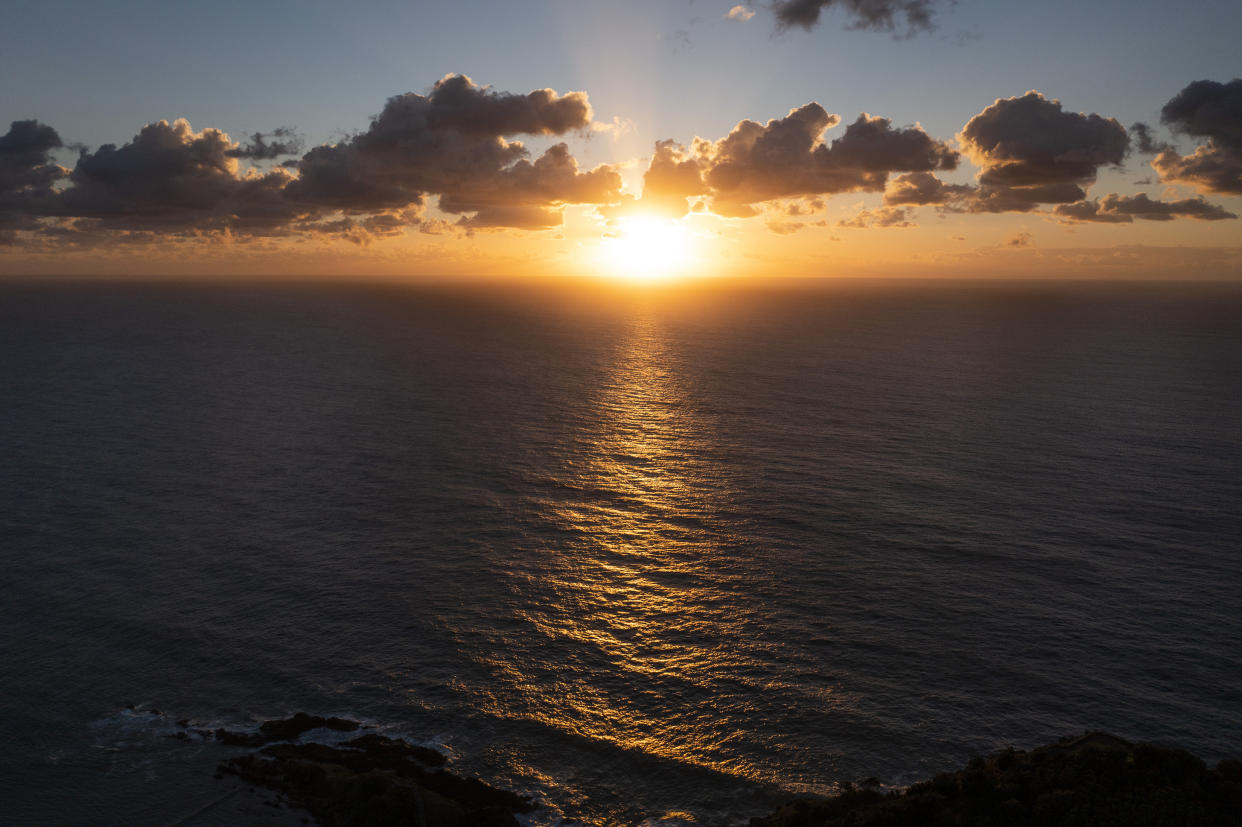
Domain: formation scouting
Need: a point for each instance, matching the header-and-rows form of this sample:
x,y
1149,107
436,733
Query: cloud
x,y
673,175
171,180
880,217
525,190
1143,140
879,15
785,227
1212,110
1123,209
1033,152
263,148
1030,152
809,207
454,142
27,175
918,188
1020,240
617,127
788,158
739,14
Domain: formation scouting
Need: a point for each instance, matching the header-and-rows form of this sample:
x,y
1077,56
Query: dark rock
x,y
291,728
1095,779
374,780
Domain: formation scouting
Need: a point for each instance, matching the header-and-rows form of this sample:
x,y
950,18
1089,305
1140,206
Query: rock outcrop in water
x,y
1096,780
368,781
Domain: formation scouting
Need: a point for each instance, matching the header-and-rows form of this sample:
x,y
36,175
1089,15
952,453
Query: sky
x,y
637,140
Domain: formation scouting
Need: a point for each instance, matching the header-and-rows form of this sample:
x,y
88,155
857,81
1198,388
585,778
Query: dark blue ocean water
x,y
668,554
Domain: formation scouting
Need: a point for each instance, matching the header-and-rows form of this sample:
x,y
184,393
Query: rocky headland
x,y
1095,780
370,780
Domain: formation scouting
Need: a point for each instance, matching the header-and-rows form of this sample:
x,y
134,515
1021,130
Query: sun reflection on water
x,y
637,629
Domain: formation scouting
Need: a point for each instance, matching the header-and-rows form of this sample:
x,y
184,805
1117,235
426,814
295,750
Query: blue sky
x,y
99,70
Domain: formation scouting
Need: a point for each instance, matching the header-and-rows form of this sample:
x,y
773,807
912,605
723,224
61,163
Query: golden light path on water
x,y
648,634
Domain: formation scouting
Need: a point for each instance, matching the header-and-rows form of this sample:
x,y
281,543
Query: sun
x,y
647,248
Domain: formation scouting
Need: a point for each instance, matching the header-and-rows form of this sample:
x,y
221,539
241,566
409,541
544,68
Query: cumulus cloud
x,y
789,158
1123,209
171,179
739,14
25,158
919,188
530,193
879,15
27,175
1033,152
1211,110
455,143
673,175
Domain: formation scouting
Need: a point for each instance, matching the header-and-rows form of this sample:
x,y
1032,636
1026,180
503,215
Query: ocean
x,y
663,555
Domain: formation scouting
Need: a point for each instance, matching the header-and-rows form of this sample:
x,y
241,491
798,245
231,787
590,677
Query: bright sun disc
x,y
646,248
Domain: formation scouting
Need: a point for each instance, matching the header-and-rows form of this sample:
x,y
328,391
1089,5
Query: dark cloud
x,y
879,217
454,142
458,104
1208,109
1211,110
171,180
1123,209
337,178
268,147
1033,152
919,188
880,15
27,175
528,190
788,158
522,217
1144,142
1020,240
364,231
25,158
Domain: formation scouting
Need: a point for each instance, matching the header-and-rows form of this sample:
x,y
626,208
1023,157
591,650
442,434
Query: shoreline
x,y
371,780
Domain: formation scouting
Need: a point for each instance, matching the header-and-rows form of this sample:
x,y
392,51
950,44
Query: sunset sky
x,y
646,139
